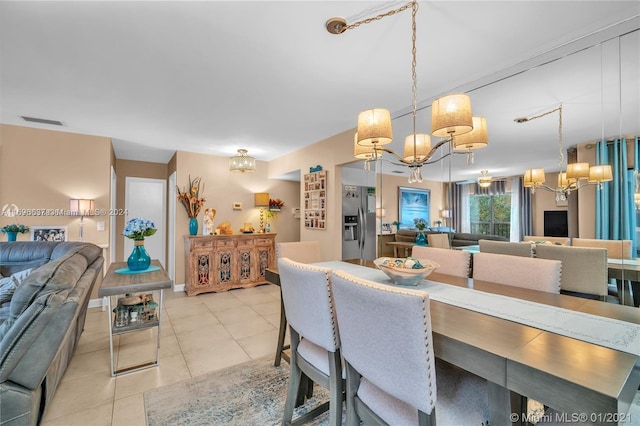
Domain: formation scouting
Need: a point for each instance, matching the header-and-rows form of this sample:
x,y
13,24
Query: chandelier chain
x,y
380,16
414,76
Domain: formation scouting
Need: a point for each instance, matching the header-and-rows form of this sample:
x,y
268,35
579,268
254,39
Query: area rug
x,y
253,393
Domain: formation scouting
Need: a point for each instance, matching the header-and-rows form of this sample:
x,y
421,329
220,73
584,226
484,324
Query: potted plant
x,y
136,229
395,225
13,230
420,223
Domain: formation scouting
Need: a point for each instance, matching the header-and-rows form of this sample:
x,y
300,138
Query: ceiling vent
x,y
41,120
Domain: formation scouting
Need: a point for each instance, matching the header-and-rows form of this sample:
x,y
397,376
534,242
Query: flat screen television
x,y
555,223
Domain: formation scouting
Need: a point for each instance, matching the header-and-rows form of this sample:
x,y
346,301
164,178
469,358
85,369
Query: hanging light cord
x,y
379,17
559,109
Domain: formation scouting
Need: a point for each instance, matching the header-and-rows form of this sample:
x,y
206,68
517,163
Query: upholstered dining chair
x,y
391,376
563,241
298,251
505,247
527,272
452,262
616,249
439,240
584,269
315,343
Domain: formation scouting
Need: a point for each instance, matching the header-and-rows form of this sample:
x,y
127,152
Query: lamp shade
x,y
533,177
261,199
601,173
578,171
422,147
451,115
475,139
446,213
362,152
564,181
374,127
242,163
380,212
81,207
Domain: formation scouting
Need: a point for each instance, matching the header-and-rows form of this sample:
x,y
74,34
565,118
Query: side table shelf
x,y
114,285
134,327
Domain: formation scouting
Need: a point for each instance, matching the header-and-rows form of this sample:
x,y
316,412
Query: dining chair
x,y
506,247
527,272
616,249
391,376
452,262
392,373
439,240
298,251
584,269
315,343
563,241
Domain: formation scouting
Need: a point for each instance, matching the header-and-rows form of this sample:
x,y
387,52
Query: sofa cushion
x,y
57,275
19,255
8,285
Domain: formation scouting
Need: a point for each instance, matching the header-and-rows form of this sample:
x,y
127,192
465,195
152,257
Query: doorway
x,y
146,198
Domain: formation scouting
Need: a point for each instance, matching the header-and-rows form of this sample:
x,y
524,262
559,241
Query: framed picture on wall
x,y
48,233
413,203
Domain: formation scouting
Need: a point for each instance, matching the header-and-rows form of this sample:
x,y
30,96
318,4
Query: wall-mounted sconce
x,y
82,208
261,200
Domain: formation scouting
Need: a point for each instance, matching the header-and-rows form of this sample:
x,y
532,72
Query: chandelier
x,y
578,175
451,117
484,181
242,163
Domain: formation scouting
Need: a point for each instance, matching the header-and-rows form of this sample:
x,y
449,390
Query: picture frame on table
x,y
49,233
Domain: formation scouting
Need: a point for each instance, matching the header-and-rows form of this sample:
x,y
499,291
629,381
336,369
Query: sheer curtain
x,y
516,234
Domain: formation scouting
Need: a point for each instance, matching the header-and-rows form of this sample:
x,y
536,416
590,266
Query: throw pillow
x,y
8,285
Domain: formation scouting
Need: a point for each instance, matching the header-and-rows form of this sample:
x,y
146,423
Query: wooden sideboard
x,y
223,262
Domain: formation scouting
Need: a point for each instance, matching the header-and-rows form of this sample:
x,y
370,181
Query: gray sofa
x,y
42,322
458,239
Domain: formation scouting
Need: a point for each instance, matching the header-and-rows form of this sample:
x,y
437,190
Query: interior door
x,y
146,198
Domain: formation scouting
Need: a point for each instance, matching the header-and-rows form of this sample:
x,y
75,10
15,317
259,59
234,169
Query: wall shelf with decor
x,y
315,200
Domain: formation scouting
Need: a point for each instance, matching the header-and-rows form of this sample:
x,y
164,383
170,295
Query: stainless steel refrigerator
x,y
358,222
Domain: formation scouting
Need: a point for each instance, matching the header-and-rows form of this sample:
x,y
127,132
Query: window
x,y
490,214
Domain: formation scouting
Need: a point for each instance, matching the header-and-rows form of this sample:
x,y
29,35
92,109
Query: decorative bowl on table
x,y
406,271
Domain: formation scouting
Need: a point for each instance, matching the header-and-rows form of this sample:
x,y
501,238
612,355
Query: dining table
x,y
590,375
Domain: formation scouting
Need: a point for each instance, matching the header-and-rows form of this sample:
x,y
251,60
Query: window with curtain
x,y
490,214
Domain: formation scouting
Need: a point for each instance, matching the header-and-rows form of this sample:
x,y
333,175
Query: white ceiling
x,y
215,76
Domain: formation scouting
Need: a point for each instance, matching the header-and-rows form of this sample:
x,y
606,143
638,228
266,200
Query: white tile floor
x,y
199,334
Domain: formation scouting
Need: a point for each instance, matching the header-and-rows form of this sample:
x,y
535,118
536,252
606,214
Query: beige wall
x,y
222,188
42,169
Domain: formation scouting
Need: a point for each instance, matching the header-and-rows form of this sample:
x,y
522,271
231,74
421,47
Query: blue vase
x,y
421,239
139,259
193,226
11,236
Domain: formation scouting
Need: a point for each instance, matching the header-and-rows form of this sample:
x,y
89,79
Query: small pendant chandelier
x,y
242,162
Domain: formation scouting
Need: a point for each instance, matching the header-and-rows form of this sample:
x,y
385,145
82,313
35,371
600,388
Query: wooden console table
x,y
223,262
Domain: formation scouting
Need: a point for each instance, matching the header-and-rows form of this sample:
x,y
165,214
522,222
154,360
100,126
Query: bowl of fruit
x,y
406,271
